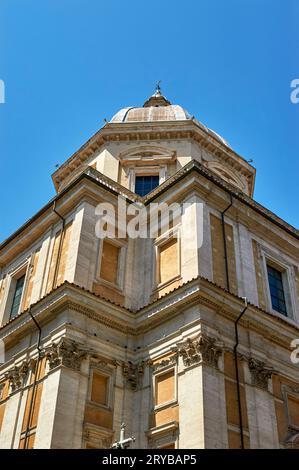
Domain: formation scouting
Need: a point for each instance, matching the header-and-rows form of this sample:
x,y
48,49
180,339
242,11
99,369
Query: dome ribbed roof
x,y
158,108
171,112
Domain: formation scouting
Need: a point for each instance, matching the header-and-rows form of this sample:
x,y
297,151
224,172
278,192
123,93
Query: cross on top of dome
x,y
157,99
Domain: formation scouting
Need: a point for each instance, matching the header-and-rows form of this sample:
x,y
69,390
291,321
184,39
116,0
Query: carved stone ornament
x,y
164,363
260,373
133,373
202,349
65,353
292,439
97,437
17,376
1,391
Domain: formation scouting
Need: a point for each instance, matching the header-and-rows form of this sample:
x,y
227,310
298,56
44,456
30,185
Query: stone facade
x,y
141,332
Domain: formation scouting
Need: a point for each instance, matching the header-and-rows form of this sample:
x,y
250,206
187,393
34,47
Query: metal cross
x,y
158,87
123,443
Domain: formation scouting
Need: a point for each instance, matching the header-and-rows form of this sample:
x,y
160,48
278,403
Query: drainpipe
x,y
32,399
237,371
60,246
224,242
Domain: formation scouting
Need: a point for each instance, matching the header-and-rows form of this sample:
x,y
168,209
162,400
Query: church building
x,y
185,336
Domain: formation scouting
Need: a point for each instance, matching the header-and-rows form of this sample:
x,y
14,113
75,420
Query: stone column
x,y
72,261
14,407
13,416
124,406
39,279
260,404
247,281
201,394
191,236
46,417
214,404
191,412
63,399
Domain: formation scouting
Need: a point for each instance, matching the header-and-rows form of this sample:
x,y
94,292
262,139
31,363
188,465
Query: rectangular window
x,y
168,260
109,262
145,184
17,297
293,409
276,290
165,387
99,389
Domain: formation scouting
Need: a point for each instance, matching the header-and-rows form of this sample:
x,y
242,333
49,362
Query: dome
x,y
171,112
158,108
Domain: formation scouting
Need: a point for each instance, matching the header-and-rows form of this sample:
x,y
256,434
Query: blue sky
x,y
68,64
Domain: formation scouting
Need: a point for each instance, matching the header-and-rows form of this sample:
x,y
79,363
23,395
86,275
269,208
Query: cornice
x,y
107,184
199,291
154,131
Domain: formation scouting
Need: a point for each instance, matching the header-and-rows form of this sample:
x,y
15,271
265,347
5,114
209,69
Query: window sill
x,y
98,406
109,284
289,319
165,405
162,285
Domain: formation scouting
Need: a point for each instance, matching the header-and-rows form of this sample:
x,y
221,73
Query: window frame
x,y
108,375
174,232
150,170
284,300
155,375
146,176
289,391
13,276
279,262
17,291
121,264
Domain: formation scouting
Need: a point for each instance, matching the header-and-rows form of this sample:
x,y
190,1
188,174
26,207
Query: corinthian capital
x,y
200,350
260,373
67,353
133,373
17,375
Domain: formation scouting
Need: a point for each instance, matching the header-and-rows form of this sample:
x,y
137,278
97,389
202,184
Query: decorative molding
x,y
164,363
151,131
163,434
292,439
200,350
65,353
133,373
260,373
99,361
97,436
1,390
94,315
17,375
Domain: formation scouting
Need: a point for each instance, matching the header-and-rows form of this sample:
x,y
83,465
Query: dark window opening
x,y
17,297
277,290
145,184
